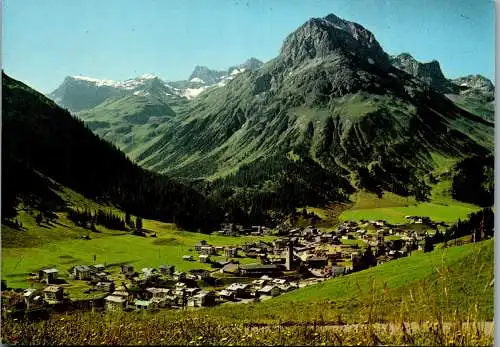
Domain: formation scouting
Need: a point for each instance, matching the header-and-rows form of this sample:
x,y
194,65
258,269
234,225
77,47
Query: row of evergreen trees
x,y
473,180
480,224
271,189
89,219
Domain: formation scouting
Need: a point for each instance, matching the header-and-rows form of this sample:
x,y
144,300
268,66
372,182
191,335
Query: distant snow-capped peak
x,y
129,84
96,81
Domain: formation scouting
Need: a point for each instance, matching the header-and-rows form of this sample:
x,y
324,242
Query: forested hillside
x,y
41,141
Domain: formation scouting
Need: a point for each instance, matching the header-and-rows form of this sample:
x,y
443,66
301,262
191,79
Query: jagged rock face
x,y
476,82
407,63
476,94
210,77
430,72
332,96
320,37
207,75
252,64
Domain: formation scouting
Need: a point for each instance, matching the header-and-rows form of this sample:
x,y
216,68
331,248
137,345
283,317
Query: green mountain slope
x,y
128,122
41,138
481,104
331,105
474,93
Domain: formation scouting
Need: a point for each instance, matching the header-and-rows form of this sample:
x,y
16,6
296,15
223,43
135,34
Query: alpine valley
x,y
333,195
332,114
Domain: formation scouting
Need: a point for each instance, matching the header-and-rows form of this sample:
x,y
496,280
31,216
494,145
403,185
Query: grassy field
x,y
329,216
353,242
393,208
60,246
441,290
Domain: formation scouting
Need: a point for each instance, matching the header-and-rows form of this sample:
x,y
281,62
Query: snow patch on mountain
x,y
197,80
148,76
192,93
141,93
237,71
96,81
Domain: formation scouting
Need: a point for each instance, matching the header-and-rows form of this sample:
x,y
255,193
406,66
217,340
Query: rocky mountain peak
x,y
252,64
429,72
475,82
205,74
320,37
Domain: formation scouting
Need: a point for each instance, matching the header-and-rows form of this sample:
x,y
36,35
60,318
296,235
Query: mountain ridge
x,y
361,123
332,103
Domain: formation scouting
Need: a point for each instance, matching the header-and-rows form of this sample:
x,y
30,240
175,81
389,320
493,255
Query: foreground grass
x,y
438,298
197,331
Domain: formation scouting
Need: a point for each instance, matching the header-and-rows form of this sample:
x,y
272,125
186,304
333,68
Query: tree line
x,y
480,225
89,219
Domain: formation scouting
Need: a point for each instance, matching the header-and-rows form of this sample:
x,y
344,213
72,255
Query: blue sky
x,y
44,41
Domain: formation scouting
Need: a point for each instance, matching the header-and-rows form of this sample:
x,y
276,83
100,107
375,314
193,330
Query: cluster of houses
x,y
305,251
312,249
265,286
52,294
231,229
185,292
154,298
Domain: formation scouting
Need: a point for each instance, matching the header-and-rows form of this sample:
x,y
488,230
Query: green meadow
x,y
393,208
60,246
